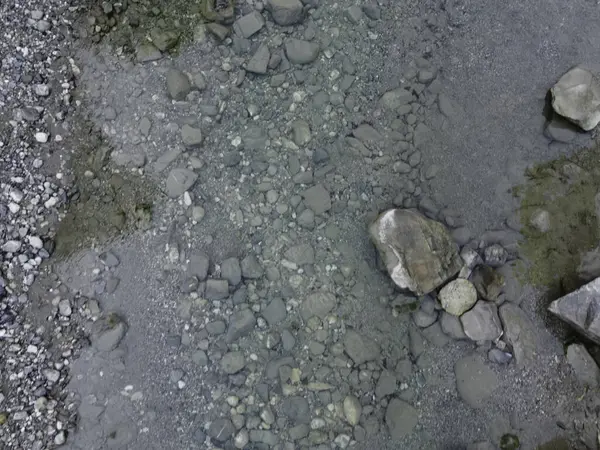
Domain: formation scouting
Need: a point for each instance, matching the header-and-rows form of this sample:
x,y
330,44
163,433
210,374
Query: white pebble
x,y
41,137
35,242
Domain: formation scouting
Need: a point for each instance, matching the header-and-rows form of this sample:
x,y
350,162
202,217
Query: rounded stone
x,y
458,296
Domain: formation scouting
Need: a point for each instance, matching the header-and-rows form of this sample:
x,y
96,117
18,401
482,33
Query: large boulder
x,y
576,96
419,253
581,310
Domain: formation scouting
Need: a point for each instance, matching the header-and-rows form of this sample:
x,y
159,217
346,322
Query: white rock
x,y
458,296
64,308
576,96
41,137
540,220
35,242
11,246
352,410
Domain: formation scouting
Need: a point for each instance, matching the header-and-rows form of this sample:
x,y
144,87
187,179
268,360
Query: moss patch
x,y
566,189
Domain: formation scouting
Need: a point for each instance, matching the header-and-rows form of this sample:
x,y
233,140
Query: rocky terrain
x,y
189,201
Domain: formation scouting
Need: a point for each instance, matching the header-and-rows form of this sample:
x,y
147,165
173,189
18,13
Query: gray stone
x,y
180,180
585,368
189,284
519,332
296,409
386,385
482,322
216,289
354,14
217,30
589,267
475,382
372,11
352,410
199,357
299,432
576,96
488,282
559,129
360,348
191,137
317,199
241,323
198,265
419,253
231,271
498,356
109,333
424,319
581,310
109,259
301,132
300,254
216,327
451,326
164,39
147,52
260,60
317,304
285,12
221,430
233,362
266,437
435,336
400,418
251,267
287,340
396,98
495,255
249,24
458,296
275,312
301,52
178,84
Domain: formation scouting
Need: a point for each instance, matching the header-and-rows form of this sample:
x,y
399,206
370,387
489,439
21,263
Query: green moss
x,y
555,444
565,188
509,442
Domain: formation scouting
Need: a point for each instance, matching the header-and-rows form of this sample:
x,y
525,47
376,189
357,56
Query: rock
x,y
109,259
301,132
164,39
461,235
11,246
559,129
498,356
231,271
482,323
576,96
458,296
233,362
317,199
191,137
400,418
178,84
360,348
452,326
471,259
297,409
221,430
260,60
475,382
285,12
301,52
372,11
396,98
354,14
585,368
108,333
581,310
423,319
317,304
241,323
352,410
251,267
216,289
249,24
519,332
217,30
435,336
419,253
275,312
488,282
386,385
481,445
495,255
300,254
179,181
589,267
198,265
147,52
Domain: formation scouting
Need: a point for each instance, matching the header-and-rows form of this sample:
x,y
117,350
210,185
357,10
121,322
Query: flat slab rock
x,y
475,381
581,310
419,253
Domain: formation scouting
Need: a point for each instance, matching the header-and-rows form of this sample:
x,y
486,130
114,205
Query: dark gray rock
x,y
360,348
451,326
318,304
179,180
495,255
249,24
297,409
585,368
198,265
216,327
221,430
232,271
581,310
475,382
259,61
317,198
108,333
164,40
300,254
275,312
178,84
285,12
191,137
241,323
251,267
498,356
400,418
488,282
233,362
301,52
482,323
386,385
519,332
589,268
216,289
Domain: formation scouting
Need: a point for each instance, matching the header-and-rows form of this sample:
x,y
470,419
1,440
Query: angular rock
x,y
241,323
178,84
297,409
191,137
251,267
285,12
216,289
221,429
179,180
217,30
488,282
352,410
300,254
482,323
317,304
233,362
259,61
419,253
164,39
585,368
458,296
360,348
249,24
400,418
147,52
396,98
576,96
108,333
301,52
451,326
275,312
317,198
519,332
495,255
198,265
475,382
581,310
231,271
301,132
589,268
386,385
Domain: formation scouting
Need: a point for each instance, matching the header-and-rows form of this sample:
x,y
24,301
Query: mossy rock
x,y
509,442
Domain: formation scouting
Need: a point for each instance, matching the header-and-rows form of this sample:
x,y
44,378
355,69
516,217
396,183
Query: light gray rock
x,y
451,326
300,254
360,348
180,180
317,304
386,385
301,52
352,410
394,99
589,267
419,253
585,368
216,289
458,296
233,362
301,132
221,430
400,418
241,323
164,40
475,382
495,255
108,333
260,60
11,246
285,12
482,323
191,137
581,310
231,271
178,84
251,267
519,332
198,265
249,24
576,96
317,199
147,52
